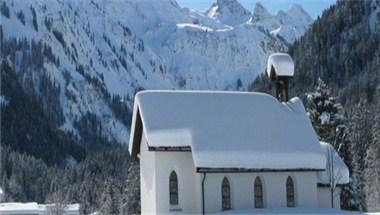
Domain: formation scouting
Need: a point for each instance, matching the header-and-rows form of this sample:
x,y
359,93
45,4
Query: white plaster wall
x,y
324,197
242,189
306,189
155,169
147,179
189,182
157,166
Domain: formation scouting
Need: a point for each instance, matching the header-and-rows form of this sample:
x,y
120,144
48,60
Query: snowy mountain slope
x,y
97,54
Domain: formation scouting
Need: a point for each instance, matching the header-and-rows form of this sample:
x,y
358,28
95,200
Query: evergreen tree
x,y
110,200
35,23
21,17
326,114
4,9
328,119
131,196
57,203
360,138
372,171
14,189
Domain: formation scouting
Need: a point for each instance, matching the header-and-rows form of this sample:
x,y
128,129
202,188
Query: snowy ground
x,y
308,211
8,208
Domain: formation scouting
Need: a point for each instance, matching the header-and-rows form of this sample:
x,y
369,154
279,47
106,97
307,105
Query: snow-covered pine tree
x,y
327,117
131,198
15,188
326,114
110,200
57,203
372,171
360,138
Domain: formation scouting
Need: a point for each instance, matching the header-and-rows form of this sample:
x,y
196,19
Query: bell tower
x,y
280,68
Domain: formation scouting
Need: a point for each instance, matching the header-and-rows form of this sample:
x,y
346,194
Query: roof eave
x,y
247,170
136,132
319,184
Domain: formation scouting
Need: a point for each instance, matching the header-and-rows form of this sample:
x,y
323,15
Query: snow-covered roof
x,y
229,129
282,64
341,172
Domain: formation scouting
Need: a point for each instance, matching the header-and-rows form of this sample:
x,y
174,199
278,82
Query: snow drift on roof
x,y
282,63
230,129
341,172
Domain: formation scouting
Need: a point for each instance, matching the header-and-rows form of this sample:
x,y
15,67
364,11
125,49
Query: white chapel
x,y
205,152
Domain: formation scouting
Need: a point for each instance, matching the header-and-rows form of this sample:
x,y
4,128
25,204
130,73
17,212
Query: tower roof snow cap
x,y
282,64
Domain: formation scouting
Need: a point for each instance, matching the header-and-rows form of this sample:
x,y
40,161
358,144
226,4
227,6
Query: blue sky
x,y
313,7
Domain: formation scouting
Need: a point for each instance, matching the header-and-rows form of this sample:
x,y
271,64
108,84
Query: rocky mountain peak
x,y
233,5
229,12
290,25
297,10
260,13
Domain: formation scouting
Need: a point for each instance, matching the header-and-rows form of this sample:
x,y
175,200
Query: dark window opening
x,y
173,188
226,194
259,195
290,196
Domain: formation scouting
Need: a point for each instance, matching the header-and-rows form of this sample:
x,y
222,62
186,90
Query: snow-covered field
x,y
8,208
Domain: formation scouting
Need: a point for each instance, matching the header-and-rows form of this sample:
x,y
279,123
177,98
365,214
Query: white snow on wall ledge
x,y
231,129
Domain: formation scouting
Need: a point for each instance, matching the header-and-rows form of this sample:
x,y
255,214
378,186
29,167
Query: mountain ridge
x,y
97,60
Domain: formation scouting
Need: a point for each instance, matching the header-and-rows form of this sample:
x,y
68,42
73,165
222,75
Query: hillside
x,y
97,60
342,49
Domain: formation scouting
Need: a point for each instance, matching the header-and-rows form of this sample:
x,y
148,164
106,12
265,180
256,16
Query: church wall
x,y
242,189
189,182
306,189
147,178
157,166
324,197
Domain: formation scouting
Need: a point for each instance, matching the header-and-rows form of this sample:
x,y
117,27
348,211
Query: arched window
x,y
226,194
259,195
290,195
173,188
